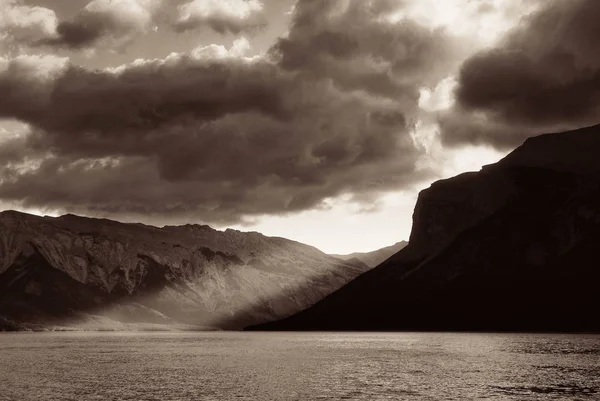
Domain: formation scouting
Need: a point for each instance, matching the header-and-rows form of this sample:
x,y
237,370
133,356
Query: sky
x,y
314,120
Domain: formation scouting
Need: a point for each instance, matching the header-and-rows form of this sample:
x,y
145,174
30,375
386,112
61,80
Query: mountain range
x,y
76,272
513,247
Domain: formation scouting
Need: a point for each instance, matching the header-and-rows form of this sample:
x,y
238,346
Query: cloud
x,y
480,22
58,97
117,22
222,16
459,127
357,47
543,76
216,136
22,24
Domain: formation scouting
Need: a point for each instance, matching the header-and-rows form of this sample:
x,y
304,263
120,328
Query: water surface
x,y
298,366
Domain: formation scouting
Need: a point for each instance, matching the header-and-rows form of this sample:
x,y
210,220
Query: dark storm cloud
x,y
544,75
215,136
78,34
143,96
352,44
118,21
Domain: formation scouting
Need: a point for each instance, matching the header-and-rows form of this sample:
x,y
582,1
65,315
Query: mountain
x,y
99,274
374,258
513,247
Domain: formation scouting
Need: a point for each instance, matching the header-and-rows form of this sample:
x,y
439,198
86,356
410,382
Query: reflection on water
x,y
298,366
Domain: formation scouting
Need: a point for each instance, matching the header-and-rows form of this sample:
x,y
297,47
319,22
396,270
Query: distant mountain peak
x,y
376,257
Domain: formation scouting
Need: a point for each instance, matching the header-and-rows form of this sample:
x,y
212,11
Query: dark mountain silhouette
x,y
374,258
100,274
513,247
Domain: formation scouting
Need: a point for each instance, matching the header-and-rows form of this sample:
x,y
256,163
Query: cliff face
x,y
95,273
513,247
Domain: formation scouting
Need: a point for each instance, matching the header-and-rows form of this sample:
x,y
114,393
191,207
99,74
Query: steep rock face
x,y
513,247
372,259
72,270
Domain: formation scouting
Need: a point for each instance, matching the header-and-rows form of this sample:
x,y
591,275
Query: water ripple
x,y
298,366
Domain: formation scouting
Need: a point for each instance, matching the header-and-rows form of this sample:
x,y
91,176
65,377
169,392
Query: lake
x,y
298,366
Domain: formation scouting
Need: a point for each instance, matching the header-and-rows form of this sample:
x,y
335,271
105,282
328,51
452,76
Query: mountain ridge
x,y
189,275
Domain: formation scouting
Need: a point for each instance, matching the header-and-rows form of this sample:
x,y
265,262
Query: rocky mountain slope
x,y
374,258
512,247
100,274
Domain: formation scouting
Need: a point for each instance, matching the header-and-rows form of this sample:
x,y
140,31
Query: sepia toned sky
x,y
315,120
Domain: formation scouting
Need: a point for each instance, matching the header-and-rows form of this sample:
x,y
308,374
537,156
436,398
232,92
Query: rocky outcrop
x,y
374,258
512,247
93,273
